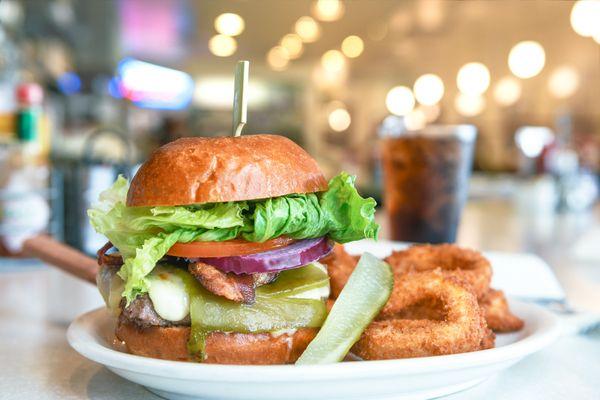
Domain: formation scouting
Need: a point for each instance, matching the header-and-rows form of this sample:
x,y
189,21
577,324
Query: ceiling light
x,y
507,91
222,45
293,44
278,58
328,10
339,119
333,61
469,105
400,100
431,112
473,78
526,59
585,17
229,24
353,46
563,82
308,29
415,120
429,89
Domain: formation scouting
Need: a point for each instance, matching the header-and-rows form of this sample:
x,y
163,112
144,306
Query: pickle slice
x,y
274,308
213,313
265,315
366,292
295,281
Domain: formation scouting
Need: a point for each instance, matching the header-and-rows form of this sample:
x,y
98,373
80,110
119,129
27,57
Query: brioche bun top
x,y
199,170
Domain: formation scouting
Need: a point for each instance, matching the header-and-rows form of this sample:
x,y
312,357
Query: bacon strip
x,y
114,259
240,288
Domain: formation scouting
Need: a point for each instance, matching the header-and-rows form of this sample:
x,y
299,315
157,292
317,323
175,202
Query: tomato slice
x,y
228,248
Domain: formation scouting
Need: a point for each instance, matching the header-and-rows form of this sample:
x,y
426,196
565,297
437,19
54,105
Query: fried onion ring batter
x,y
497,314
340,266
467,265
462,329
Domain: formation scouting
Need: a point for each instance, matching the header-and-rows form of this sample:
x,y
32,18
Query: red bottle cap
x,y
30,94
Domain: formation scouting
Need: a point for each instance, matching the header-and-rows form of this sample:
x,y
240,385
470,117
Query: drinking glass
x,y
426,176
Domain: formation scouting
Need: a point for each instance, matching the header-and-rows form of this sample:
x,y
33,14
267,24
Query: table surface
x,y
37,362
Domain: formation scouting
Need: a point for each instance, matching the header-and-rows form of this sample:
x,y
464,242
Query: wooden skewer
x,y
62,256
240,97
78,264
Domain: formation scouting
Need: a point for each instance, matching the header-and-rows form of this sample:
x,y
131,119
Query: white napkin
x,y
524,275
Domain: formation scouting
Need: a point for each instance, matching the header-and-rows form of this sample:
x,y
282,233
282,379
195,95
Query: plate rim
x,y
82,331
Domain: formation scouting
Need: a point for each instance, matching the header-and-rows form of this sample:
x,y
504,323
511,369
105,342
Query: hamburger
x,y
214,249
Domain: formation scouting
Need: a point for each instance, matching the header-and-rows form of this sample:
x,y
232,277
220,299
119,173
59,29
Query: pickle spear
x,y
365,294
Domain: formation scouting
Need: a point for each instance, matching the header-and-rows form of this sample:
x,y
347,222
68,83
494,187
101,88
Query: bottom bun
x,y
170,343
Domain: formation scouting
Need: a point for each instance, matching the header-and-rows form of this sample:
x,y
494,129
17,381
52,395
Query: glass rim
x,y
464,132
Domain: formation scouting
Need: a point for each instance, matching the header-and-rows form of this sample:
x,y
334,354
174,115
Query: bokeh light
x,y
229,24
222,45
278,58
429,89
469,105
293,44
431,112
507,91
563,82
333,61
378,31
353,46
69,83
526,59
328,80
415,120
308,29
430,14
473,79
328,10
339,119
400,100
585,17
531,140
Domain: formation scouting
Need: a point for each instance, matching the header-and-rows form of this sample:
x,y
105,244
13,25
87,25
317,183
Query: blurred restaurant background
x,y
89,88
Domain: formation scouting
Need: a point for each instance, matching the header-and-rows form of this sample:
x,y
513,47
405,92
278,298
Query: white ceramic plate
x,y
418,378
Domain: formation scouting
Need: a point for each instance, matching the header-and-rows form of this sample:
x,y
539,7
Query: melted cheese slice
x,y
169,295
110,286
172,302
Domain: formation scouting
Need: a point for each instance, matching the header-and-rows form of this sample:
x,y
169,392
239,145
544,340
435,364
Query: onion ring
x,y
340,266
467,265
463,328
497,314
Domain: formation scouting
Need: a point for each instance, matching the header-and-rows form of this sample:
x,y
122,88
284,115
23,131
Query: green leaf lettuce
x,y
143,235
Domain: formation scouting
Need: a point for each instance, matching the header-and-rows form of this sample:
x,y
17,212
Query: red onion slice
x,y
295,255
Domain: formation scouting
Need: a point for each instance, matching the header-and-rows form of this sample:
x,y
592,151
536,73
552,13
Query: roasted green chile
x,y
274,309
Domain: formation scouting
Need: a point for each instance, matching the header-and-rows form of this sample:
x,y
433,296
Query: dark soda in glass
x,y
426,176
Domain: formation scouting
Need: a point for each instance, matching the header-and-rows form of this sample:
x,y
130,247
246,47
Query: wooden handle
x,y
62,256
